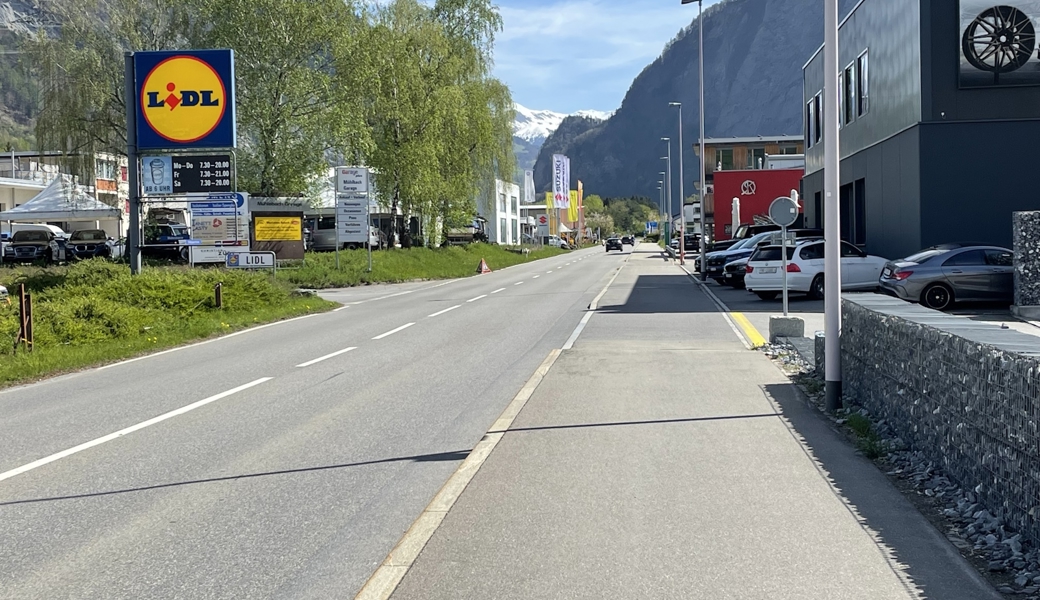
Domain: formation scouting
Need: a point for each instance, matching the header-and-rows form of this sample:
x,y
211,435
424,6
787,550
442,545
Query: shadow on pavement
x,y
913,547
647,422
457,455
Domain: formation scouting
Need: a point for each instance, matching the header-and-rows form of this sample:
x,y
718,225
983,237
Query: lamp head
x,y
675,104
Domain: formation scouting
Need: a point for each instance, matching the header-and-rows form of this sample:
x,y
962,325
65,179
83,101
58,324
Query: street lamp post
x,y
682,194
832,215
668,184
704,164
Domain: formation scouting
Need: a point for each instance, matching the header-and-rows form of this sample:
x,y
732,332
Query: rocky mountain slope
x,y
754,51
532,127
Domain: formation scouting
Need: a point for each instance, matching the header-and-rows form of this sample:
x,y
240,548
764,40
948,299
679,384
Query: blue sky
x,y
569,55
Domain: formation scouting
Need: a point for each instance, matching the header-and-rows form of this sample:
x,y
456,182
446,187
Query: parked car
x,y
717,261
166,240
763,276
615,244
939,276
674,244
734,273
88,243
744,232
3,293
33,245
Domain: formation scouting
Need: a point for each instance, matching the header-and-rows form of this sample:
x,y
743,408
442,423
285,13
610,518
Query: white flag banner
x,y
528,187
560,191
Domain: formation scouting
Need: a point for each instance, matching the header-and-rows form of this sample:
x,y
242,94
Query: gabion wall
x,y
972,406
1026,227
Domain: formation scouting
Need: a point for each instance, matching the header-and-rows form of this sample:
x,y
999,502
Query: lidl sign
x,y
185,99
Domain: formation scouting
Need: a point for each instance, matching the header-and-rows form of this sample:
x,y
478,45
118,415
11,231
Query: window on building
x,y
849,92
841,100
516,205
724,157
501,203
863,84
788,149
106,169
754,156
503,230
818,118
818,209
516,231
810,120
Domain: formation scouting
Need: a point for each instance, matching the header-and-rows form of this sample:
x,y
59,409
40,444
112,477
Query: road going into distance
x,y
281,462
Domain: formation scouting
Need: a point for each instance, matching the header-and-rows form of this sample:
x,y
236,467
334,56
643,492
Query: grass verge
x,y
395,266
94,312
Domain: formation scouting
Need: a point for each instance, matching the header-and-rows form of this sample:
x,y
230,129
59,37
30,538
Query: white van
x,y
14,228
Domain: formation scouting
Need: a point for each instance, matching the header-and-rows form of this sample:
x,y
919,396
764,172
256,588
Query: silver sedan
x,y
941,275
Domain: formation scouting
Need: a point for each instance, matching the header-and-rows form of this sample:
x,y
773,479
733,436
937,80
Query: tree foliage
x,y
404,87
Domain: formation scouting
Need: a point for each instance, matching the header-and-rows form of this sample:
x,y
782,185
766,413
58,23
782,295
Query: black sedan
x,y
941,275
615,244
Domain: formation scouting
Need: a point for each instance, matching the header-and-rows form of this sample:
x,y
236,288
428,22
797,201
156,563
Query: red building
x,y
755,189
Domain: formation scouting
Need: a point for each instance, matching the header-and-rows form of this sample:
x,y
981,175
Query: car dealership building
x,y
939,117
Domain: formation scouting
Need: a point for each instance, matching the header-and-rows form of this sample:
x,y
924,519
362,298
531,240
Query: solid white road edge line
x,y
437,314
393,331
108,438
577,330
326,357
477,298
721,307
594,305
341,308
382,583
499,290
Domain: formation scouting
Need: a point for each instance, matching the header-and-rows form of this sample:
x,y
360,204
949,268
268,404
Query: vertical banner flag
x,y
572,208
560,184
581,208
529,187
549,207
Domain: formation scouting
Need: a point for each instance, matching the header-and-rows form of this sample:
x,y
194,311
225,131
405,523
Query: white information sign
x,y
351,180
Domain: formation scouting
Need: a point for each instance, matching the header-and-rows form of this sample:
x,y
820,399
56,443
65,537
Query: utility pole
x,y
668,189
682,194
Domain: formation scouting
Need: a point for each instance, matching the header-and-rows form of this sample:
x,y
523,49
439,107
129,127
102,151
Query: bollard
x,y
218,295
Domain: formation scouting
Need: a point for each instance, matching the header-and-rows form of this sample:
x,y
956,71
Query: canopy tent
x,y
563,228
63,200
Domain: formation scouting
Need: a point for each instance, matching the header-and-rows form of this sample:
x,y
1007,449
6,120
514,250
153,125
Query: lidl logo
x,y
185,99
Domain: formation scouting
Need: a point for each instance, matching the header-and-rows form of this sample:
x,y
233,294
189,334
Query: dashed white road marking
x,y
477,298
393,331
326,357
439,313
499,290
128,430
518,283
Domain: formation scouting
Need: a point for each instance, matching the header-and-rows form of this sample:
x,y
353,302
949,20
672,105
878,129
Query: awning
x,y
563,228
63,200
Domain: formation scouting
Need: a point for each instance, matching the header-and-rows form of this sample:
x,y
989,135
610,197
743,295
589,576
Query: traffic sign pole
x,y
134,234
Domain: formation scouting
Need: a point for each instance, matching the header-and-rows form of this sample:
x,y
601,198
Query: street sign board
x,y
351,180
783,211
214,223
214,254
250,260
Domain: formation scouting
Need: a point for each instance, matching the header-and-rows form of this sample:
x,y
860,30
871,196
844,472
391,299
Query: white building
x,y
502,211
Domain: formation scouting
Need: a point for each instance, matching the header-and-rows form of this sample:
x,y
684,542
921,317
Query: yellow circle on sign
x,y
183,99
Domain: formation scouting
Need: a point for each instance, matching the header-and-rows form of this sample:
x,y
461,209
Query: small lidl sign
x,y
185,99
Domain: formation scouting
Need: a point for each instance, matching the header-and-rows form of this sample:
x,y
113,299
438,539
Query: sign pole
x,y
369,244
134,234
783,254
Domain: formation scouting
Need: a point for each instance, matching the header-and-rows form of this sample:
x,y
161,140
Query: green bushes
x,y
93,311
393,266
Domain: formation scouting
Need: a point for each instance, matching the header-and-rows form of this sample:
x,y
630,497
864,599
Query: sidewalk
x,y
661,459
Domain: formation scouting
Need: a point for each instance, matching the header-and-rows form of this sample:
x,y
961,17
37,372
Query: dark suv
x,y
615,244
29,246
88,243
631,241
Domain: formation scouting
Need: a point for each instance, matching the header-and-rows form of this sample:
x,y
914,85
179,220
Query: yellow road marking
x,y
753,336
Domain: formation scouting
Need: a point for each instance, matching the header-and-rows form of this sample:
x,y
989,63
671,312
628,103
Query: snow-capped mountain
x,y
532,127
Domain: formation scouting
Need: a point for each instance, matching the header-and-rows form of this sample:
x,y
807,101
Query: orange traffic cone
x,y
482,267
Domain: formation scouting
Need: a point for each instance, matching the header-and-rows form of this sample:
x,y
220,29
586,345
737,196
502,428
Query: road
x,y
280,462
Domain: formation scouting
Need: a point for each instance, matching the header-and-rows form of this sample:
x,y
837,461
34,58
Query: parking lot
x,y
758,311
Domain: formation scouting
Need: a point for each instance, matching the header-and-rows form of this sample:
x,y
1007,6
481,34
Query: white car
x,y
859,270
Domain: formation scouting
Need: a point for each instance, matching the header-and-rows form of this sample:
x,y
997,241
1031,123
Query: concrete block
x,y
791,327
1029,313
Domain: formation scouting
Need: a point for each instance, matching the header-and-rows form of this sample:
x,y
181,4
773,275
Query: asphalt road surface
x,y
280,462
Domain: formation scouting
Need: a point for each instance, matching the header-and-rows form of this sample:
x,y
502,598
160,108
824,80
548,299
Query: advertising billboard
x,y
185,99
998,45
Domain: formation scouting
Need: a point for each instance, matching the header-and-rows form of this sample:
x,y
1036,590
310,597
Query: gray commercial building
x,y
940,120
